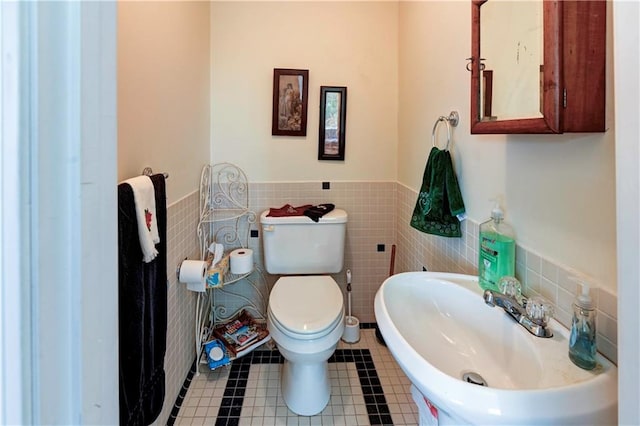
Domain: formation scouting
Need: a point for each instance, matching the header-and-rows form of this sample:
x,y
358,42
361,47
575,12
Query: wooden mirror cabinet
x,y
570,83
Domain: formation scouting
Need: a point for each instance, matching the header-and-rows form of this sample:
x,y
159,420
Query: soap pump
x,y
582,343
497,250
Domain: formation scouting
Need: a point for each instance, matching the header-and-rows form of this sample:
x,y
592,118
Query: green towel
x,y
440,202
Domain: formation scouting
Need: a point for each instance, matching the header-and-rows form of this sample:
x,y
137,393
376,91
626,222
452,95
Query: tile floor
x,y
368,388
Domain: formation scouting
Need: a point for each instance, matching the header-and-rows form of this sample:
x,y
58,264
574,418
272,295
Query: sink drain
x,y
474,379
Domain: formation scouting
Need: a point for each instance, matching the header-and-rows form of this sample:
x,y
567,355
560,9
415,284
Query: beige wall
x,y
163,91
351,44
163,122
559,190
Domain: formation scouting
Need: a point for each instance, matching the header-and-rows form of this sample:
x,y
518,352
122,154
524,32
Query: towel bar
x,y
148,171
451,120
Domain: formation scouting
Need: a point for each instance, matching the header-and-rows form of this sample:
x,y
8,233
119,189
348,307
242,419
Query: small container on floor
x,y
351,332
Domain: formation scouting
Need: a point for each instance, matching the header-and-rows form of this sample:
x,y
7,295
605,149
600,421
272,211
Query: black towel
x,y
142,306
316,212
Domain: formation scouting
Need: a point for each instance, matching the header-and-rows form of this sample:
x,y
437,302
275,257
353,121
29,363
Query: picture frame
x,y
290,95
333,123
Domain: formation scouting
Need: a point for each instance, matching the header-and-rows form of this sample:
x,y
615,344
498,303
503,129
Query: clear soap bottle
x,y
497,251
582,343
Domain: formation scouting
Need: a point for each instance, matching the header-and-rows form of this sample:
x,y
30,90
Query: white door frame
x,y
14,298
59,353
627,92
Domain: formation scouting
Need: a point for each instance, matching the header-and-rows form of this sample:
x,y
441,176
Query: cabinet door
x,y
571,73
584,62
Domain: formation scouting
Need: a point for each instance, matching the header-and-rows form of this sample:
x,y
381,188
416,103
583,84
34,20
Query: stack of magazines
x,y
240,334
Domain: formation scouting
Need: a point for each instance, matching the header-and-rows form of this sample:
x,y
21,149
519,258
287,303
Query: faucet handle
x,y
510,286
539,310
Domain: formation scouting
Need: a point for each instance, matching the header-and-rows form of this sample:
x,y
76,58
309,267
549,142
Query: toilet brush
x,y
351,332
349,317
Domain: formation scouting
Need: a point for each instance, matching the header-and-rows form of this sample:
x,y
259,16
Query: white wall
x,y
559,190
163,91
351,44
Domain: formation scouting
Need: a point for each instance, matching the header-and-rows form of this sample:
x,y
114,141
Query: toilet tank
x,y
298,245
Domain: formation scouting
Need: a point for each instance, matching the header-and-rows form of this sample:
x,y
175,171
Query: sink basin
x,y
447,340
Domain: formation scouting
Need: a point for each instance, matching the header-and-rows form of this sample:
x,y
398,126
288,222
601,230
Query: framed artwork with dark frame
x,y
333,122
290,89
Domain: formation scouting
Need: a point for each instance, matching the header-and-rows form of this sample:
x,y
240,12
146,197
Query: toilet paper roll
x,y
241,261
194,274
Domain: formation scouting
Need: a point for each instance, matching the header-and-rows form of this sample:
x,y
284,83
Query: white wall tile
x,y
379,213
182,218
539,275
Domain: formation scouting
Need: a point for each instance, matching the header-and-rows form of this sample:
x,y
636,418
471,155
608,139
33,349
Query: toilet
x,y
305,314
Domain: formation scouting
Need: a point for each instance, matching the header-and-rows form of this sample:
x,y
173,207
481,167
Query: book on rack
x,y
241,334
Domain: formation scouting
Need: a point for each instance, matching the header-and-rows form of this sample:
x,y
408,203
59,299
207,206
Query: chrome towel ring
x,y
451,120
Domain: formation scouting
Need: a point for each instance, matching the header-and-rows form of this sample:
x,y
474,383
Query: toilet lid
x,y
306,304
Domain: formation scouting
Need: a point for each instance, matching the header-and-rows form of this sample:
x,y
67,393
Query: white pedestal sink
x,y
438,328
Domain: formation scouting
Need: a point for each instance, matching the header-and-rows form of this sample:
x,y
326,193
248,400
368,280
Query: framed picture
x,y
290,89
333,123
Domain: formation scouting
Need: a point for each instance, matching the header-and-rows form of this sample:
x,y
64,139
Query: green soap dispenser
x,y
497,257
582,342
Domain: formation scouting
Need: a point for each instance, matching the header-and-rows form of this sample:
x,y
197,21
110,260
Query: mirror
x,y
511,35
515,85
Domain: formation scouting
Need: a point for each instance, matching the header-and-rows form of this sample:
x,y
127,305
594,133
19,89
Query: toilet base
x,y
305,386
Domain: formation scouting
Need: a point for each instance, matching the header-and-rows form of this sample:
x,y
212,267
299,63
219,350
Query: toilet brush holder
x,y
351,332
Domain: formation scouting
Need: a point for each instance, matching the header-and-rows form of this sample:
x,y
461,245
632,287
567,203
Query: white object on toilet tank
x,y
298,245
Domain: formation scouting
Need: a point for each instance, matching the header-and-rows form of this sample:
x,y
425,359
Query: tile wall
x,y
538,275
182,218
371,210
379,213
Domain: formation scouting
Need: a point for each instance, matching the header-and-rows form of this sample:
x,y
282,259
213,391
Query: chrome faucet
x,y
533,314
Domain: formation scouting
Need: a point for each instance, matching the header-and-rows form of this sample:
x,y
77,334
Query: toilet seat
x,y
306,307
